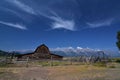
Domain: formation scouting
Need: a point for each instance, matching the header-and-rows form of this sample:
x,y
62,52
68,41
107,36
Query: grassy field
x,y
111,71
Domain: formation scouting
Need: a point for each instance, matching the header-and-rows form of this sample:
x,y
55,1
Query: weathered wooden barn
x,y
42,52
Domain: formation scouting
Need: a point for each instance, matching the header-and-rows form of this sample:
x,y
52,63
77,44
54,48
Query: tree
x,y
118,38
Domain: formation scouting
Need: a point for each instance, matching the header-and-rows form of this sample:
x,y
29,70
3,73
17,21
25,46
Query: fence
x,y
50,62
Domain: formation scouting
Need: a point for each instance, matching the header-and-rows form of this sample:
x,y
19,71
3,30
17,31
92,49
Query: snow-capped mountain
x,y
76,51
69,51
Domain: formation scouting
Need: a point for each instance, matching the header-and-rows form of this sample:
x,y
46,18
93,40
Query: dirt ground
x,y
71,72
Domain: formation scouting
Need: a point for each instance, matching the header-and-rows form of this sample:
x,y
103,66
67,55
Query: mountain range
x,y
72,52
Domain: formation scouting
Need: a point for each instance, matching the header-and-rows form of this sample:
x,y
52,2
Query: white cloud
x,y
62,23
19,26
59,22
23,6
21,16
100,24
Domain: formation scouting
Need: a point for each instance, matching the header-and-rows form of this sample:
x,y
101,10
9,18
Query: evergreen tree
x,y
118,38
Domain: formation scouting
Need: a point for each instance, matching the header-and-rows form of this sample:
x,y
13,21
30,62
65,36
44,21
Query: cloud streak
x,y
23,6
62,23
100,24
18,26
58,22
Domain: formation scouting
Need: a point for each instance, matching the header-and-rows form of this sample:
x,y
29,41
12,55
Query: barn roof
x,y
43,45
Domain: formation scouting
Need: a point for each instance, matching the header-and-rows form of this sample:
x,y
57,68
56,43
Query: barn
x,y
41,52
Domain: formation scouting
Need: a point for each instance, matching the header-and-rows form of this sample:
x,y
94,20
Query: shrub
x,y
118,60
4,65
112,66
44,63
100,64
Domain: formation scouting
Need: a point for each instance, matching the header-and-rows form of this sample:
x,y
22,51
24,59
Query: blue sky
x,y
25,24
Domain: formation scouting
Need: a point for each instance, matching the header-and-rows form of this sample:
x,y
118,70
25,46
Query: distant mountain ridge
x,y
69,51
77,52
3,53
84,52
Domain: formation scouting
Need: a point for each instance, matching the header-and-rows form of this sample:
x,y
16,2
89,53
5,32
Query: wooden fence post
x,y
51,60
27,62
71,60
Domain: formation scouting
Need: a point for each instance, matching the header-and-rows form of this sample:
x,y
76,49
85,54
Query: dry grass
x,y
70,72
33,73
76,72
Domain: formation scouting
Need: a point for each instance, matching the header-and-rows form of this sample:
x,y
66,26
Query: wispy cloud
x,y
62,23
59,22
19,26
23,6
17,14
100,24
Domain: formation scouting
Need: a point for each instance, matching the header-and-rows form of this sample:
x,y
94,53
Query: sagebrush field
x,y
62,72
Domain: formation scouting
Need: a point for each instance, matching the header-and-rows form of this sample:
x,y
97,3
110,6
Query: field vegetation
x,y
61,70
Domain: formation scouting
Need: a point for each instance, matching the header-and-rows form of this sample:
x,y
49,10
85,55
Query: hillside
x,y
3,53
